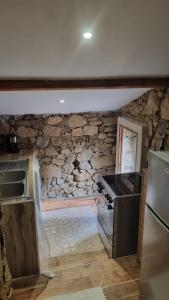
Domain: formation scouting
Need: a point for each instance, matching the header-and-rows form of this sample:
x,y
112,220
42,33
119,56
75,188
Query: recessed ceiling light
x,y
62,100
87,35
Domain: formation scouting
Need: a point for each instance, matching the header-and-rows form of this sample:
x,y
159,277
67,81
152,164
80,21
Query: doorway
x,y
130,142
128,154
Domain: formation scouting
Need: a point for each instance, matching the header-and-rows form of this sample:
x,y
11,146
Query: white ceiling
x,y
43,38
75,101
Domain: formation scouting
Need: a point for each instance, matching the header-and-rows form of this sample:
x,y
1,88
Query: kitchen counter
x,y
26,244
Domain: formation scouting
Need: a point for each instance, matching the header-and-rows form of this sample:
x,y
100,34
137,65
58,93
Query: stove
x,y
118,212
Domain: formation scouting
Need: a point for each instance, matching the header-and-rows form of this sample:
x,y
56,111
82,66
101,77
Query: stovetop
x,y
124,184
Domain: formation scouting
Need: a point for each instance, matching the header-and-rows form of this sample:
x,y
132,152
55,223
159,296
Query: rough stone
x,y
24,123
108,140
78,149
54,120
67,189
32,140
165,108
78,193
101,162
59,162
82,176
4,129
108,121
90,130
102,136
42,141
104,147
95,177
50,131
89,190
81,184
25,132
89,182
108,129
95,121
36,125
50,171
84,165
68,168
53,182
136,109
66,151
77,132
76,121
70,159
60,157
75,172
69,178
52,194
150,128
60,181
85,155
50,151
153,104
46,160
110,134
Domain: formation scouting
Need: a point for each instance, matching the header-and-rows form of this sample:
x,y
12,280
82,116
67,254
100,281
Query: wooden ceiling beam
x,y
72,84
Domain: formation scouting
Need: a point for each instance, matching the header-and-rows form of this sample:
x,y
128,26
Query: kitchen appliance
x,y
13,146
4,144
118,212
8,144
155,263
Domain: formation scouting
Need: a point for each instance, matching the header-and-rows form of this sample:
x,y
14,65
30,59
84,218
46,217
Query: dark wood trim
x,y
95,83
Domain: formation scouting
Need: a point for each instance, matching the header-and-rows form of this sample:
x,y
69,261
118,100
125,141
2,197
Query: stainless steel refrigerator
x,y
154,283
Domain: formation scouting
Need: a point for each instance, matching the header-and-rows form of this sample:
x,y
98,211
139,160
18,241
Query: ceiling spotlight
x,y
62,100
87,35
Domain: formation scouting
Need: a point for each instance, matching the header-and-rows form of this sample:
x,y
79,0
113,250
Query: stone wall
x,y
153,109
71,149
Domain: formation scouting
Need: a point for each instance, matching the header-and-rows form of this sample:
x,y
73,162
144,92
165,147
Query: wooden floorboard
x,y
123,291
85,271
130,265
76,260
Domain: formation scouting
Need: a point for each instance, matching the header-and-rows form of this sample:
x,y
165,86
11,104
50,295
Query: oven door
x,y
105,214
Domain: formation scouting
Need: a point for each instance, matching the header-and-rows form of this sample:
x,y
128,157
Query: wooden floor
x,y
119,278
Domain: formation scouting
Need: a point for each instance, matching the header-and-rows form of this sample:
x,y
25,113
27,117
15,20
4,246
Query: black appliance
x,y
118,212
8,144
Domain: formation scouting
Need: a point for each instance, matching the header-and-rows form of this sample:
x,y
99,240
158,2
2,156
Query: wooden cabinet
x,y
21,239
26,245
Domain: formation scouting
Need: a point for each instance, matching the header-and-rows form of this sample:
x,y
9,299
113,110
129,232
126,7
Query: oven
x,y
118,199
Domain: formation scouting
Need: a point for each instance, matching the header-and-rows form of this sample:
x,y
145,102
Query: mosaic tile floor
x,y
72,230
